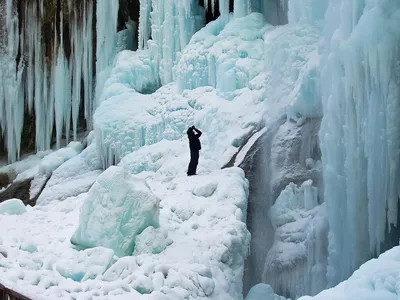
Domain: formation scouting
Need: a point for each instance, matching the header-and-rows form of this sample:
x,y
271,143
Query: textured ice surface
x,y
12,207
297,260
170,24
360,130
118,208
225,55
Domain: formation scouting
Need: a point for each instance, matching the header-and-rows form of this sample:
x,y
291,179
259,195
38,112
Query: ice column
x,y
144,23
11,96
173,23
360,131
106,30
241,8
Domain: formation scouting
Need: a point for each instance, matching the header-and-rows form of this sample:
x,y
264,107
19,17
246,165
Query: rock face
x,y
288,152
118,208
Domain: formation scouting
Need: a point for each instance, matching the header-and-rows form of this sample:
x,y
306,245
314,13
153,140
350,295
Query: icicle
x,y
11,98
144,23
241,8
107,17
169,19
224,8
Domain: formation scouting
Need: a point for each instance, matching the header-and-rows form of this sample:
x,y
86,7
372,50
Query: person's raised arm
x,y
199,133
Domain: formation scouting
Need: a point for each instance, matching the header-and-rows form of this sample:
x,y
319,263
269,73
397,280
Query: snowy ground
x,y
202,217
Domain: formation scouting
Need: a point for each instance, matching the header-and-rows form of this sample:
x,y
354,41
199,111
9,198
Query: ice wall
x,y
360,132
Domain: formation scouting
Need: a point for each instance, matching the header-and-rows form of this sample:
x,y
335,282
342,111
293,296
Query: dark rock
x,y
20,190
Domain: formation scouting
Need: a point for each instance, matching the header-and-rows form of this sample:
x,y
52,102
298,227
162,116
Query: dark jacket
x,y
194,139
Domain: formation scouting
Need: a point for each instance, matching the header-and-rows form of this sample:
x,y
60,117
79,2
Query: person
x,y
194,135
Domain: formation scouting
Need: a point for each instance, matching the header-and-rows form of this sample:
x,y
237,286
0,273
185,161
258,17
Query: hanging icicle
x,y
53,84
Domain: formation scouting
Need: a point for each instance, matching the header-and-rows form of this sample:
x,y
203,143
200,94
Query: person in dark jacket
x,y
195,146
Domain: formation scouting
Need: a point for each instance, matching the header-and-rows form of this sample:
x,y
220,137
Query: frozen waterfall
x,y
48,64
360,131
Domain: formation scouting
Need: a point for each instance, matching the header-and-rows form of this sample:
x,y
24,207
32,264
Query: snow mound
x,y
57,158
132,71
376,279
263,291
12,207
73,177
85,265
118,208
151,241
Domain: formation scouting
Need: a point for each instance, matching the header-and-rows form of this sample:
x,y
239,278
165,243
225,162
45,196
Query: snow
x,y
73,177
376,279
12,207
262,291
210,264
127,121
118,208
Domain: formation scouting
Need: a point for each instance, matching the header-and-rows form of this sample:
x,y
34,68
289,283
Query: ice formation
x,y
118,208
225,55
170,24
50,81
262,291
106,42
12,207
360,130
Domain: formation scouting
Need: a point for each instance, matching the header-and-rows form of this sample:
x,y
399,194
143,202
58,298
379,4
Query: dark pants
x,y
194,160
